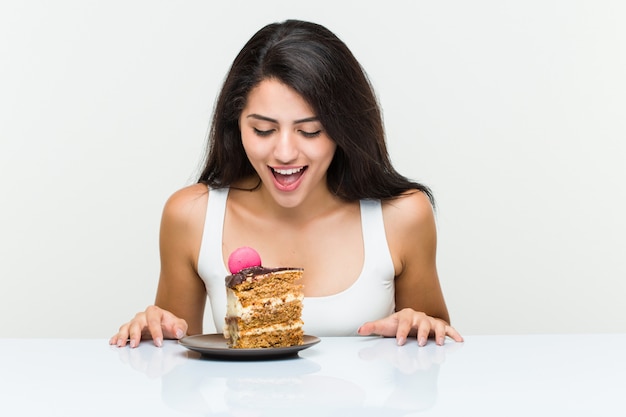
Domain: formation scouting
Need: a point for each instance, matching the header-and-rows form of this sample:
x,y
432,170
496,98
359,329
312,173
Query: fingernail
x,y
133,344
440,341
401,341
422,341
120,343
158,342
180,334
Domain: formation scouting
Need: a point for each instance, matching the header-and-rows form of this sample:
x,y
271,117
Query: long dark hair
x,y
319,66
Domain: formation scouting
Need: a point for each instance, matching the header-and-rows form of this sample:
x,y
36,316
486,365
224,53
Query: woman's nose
x,y
286,150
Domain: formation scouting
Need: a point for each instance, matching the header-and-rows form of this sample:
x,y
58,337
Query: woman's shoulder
x,y
410,228
411,209
185,204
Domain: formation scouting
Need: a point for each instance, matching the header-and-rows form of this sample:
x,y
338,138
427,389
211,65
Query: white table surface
x,y
537,375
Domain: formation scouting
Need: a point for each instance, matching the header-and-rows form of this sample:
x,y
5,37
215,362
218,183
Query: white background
x,y
514,112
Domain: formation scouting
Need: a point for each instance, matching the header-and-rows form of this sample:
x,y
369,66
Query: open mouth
x,y
287,177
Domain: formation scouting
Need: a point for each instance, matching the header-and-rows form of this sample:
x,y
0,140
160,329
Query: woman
x,y
298,169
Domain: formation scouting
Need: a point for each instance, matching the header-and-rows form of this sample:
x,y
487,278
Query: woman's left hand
x,y
400,324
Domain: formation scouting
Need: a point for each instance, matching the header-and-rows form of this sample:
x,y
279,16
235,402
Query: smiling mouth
x,y
286,177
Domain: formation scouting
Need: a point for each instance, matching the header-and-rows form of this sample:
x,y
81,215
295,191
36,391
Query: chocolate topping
x,y
252,273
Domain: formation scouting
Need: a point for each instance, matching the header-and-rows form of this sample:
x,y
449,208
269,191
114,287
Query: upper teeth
x,y
288,171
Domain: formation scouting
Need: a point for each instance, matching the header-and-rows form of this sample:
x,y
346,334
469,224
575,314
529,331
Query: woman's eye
x,y
310,134
262,132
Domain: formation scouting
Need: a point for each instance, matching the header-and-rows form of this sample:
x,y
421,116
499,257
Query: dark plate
x,y
214,345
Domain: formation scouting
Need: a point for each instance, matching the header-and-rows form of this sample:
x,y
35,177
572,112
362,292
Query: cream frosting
x,y
234,308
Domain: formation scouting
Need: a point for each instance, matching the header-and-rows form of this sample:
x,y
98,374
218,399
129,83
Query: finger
x,y
121,337
113,340
134,334
423,330
180,330
456,336
439,328
154,317
366,329
405,324
173,327
385,327
117,340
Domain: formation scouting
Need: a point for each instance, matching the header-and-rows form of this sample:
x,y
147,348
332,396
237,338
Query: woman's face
x,y
285,143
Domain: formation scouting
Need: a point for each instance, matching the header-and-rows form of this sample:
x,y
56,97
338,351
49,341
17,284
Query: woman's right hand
x,y
154,323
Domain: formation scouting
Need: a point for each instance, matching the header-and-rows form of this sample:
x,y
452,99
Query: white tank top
x,y
371,297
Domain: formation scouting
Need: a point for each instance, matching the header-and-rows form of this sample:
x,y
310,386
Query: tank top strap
x,y
377,254
210,261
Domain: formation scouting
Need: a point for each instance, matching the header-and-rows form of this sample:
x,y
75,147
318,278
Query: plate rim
x,y
227,352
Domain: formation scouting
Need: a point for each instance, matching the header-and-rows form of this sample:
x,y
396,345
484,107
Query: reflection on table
x,y
366,375
486,375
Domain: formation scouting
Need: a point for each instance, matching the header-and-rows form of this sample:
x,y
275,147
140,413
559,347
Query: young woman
x,y
298,169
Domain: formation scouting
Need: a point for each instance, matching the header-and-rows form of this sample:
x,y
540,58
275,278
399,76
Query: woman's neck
x,y
319,203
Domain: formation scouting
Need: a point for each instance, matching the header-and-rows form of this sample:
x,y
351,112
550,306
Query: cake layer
x,y
266,337
252,296
290,313
250,306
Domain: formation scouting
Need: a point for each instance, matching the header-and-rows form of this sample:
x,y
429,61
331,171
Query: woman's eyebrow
x,y
306,120
269,119
259,117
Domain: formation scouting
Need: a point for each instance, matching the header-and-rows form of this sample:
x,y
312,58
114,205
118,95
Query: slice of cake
x,y
264,305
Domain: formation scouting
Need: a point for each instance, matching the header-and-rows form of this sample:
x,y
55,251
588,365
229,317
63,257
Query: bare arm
x,y
180,289
413,241
181,296
420,306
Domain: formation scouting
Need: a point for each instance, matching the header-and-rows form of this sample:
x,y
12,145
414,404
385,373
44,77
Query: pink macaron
x,y
241,258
